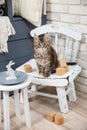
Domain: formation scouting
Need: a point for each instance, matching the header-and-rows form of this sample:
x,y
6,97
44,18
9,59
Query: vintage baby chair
x,y
64,84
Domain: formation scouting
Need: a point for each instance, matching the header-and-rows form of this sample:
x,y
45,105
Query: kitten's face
x,y
41,43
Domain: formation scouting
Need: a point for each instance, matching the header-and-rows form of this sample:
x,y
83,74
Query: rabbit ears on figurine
x,y
10,64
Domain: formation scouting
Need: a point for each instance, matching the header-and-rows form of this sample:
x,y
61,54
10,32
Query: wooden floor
x,y
75,119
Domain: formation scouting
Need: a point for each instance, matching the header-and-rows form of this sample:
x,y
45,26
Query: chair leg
x,y
26,108
17,105
33,88
62,99
72,93
6,110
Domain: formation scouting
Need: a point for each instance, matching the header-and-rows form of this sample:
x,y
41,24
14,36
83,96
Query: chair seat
x,y
53,79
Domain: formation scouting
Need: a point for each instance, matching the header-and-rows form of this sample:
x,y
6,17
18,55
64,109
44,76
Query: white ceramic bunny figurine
x,y
10,71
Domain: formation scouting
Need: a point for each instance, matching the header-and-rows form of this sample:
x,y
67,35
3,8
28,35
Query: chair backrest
x,y
68,47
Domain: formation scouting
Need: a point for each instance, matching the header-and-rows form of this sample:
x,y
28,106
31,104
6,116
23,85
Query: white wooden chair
x,y
64,84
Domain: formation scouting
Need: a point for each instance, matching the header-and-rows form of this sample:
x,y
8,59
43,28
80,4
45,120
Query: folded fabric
x,y
2,2
6,29
31,10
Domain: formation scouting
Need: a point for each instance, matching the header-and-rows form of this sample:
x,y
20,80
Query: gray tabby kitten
x,y
45,55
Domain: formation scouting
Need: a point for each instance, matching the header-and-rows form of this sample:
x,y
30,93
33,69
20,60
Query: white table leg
x,y
17,105
62,99
6,110
0,108
72,93
21,97
26,108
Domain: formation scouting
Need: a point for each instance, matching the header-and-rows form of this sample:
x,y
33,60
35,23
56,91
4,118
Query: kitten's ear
x,y
36,38
35,35
46,37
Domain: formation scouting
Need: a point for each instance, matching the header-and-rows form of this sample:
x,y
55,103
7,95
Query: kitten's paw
x,y
47,75
44,75
41,74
